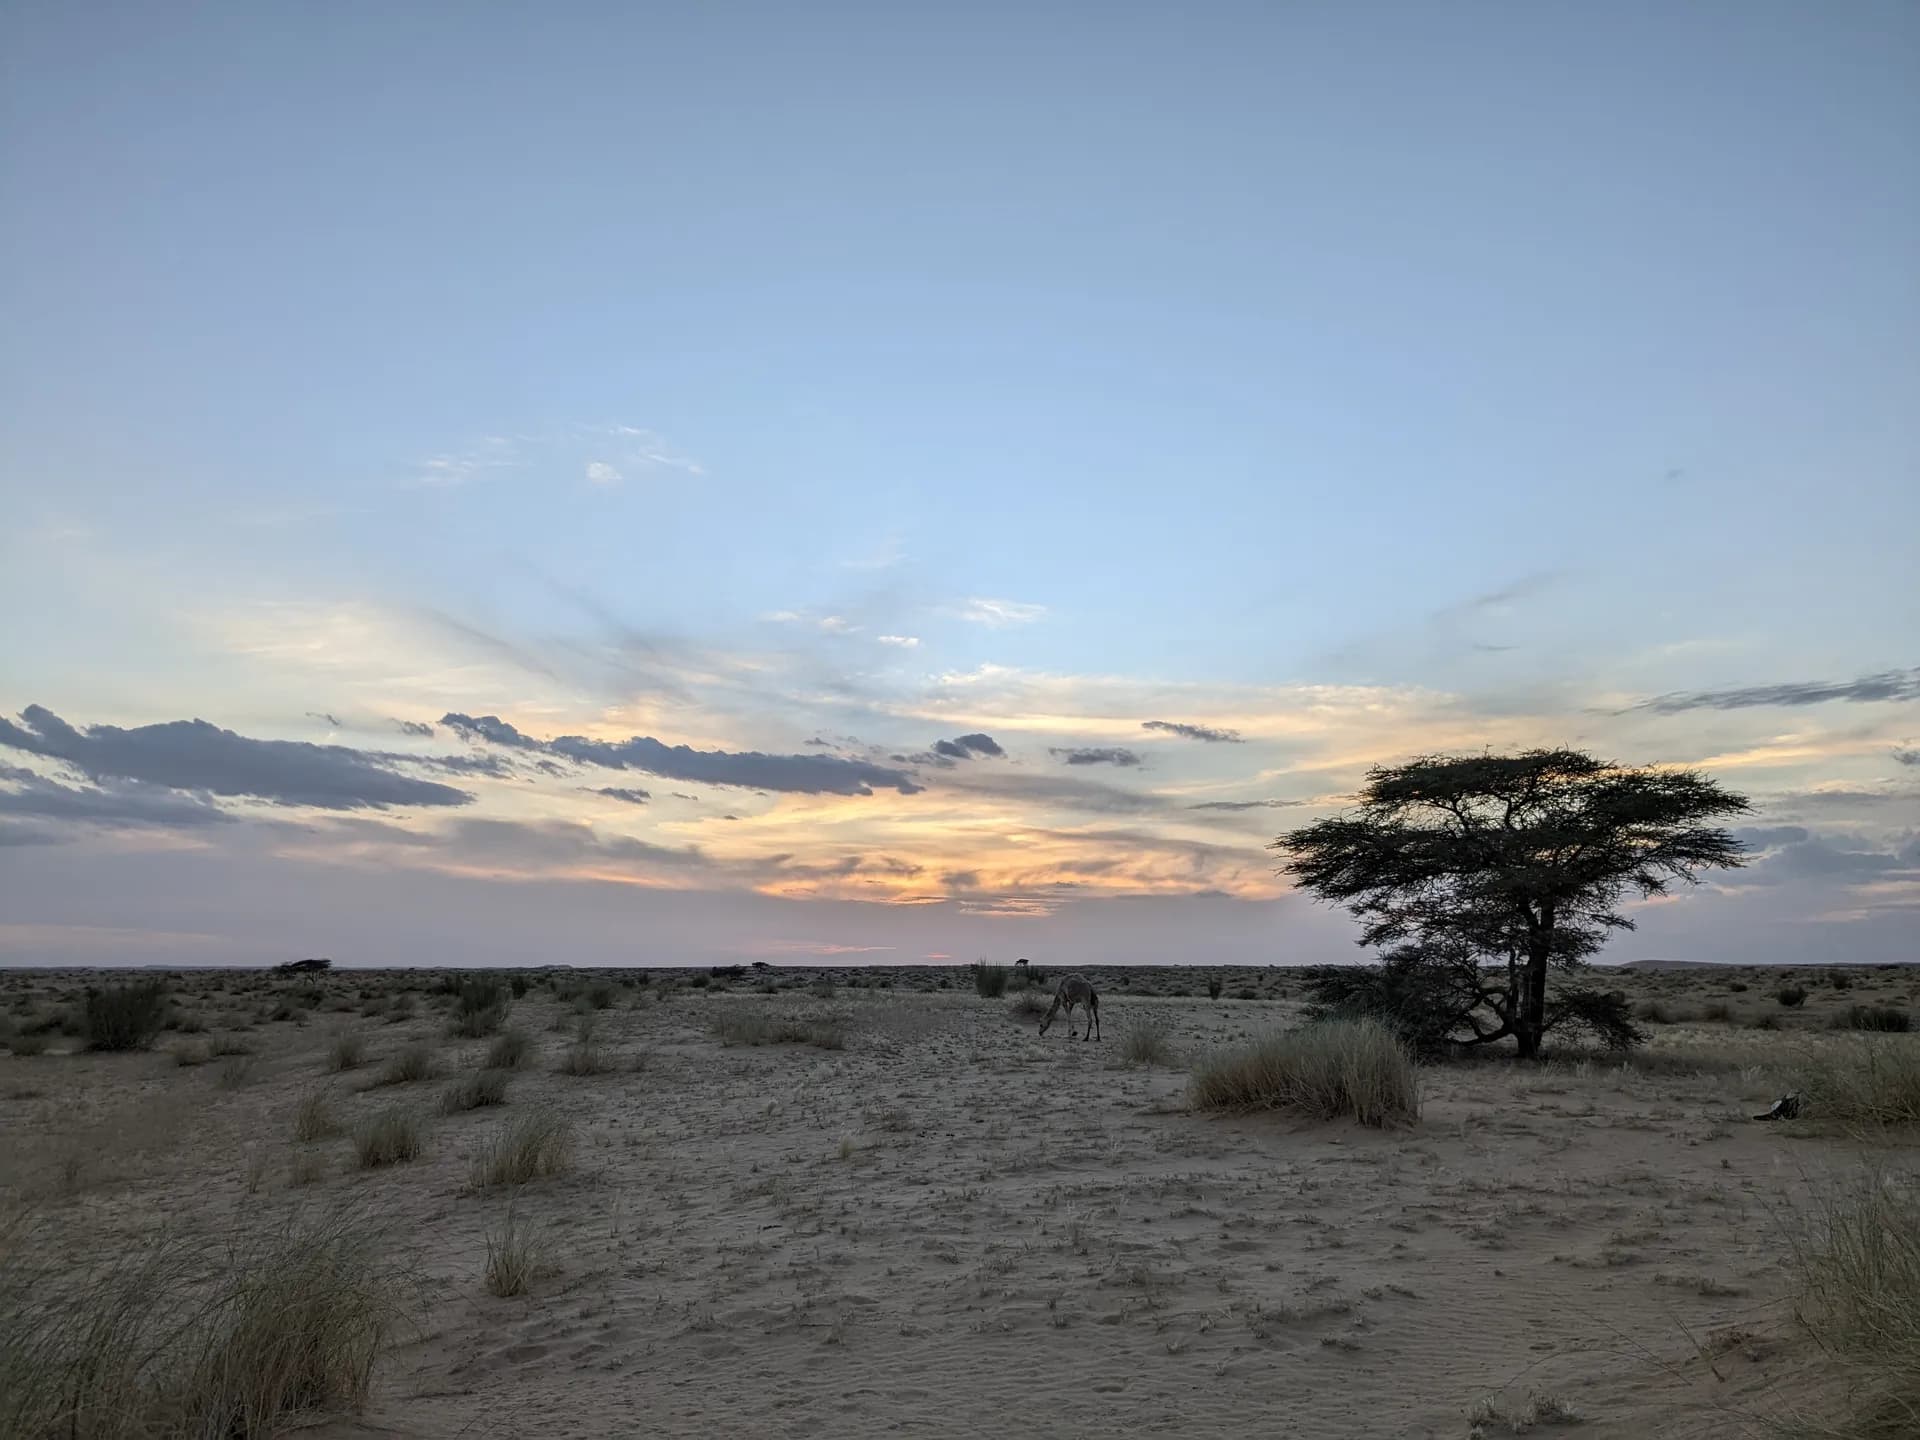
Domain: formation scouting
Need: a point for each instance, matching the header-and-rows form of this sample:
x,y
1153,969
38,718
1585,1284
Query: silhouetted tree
x,y
1519,860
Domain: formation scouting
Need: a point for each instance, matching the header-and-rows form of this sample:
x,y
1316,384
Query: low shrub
x,y
513,1257
480,1006
1791,996
1889,1019
1325,1070
1869,1082
124,1017
989,981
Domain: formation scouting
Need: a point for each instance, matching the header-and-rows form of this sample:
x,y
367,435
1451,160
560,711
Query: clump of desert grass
x,y
511,1049
1027,1004
1325,1070
480,1006
749,1025
1866,1082
989,981
515,1255
188,1053
584,1057
27,1045
345,1050
123,1017
475,1091
236,1072
413,1062
388,1138
173,1338
313,1117
1147,1042
532,1145
1859,1265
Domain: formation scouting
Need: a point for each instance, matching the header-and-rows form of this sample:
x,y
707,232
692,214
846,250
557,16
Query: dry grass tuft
x,y
1869,1081
472,1092
415,1062
1326,1070
169,1339
530,1146
1027,1005
388,1138
345,1050
313,1117
514,1257
510,1050
1147,1042
1860,1299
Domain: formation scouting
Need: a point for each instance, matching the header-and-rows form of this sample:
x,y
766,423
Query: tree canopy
x,y
1455,861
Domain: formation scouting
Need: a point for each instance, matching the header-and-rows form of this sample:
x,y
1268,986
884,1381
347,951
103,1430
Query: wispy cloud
x,y
1887,685
194,756
753,770
1209,733
494,452
998,614
1095,755
649,450
601,473
903,642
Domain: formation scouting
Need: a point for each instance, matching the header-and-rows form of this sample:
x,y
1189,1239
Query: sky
x,y
614,484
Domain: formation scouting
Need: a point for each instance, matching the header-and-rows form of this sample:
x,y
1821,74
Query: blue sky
x,y
1363,379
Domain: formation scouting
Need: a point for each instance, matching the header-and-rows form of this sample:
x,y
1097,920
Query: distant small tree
x,y
1518,860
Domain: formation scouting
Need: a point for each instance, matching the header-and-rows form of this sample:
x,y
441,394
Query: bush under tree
x,y
1482,875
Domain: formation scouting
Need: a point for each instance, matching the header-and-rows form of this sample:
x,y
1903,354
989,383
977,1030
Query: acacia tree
x,y
1521,860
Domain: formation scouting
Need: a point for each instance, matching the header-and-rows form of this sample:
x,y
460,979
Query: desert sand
x,y
950,1225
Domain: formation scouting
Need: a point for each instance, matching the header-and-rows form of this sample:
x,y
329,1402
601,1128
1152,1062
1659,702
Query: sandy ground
x,y
953,1226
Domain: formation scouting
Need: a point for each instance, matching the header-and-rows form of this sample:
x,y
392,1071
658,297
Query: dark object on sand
x,y
1787,1107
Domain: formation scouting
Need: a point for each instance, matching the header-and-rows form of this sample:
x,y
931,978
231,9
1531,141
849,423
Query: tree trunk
x,y
1532,1016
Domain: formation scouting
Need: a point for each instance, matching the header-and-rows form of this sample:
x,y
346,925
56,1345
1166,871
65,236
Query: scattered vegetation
x,y
191,1052
124,1017
531,1146
1215,984
169,1339
1327,1069
388,1138
1027,1004
26,1045
1889,1019
744,1025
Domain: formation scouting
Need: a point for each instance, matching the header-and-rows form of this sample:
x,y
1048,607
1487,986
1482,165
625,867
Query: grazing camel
x,y
1075,990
